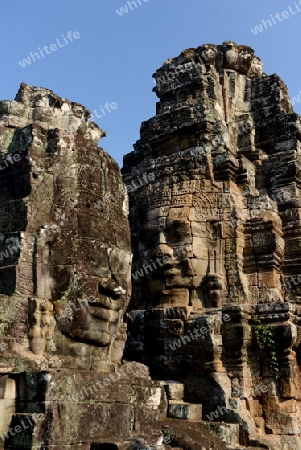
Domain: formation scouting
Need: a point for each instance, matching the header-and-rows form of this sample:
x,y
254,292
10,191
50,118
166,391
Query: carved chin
x,y
98,338
98,334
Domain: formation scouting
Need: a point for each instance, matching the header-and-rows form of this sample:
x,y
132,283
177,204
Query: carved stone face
x,y
209,53
167,242
74,258
98,292
180,248
230,54
87,262
245,58
256,68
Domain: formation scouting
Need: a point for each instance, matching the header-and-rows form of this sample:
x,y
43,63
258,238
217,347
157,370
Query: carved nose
x,y
164,250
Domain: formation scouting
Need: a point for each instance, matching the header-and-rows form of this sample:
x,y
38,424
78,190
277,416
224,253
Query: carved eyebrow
x,y
150,229
177,223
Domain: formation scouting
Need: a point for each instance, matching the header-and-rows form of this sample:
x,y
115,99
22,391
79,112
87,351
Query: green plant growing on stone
x,y
20,367
265,339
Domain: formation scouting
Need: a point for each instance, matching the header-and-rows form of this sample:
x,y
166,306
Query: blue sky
x,y
115,56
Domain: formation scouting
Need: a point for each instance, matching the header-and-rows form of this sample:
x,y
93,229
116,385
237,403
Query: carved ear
x,y
221,229
45,237
41,324
49,232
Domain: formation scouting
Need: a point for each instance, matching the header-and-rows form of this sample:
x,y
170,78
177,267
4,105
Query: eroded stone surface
x,y
215,232
64,286
65,251
64,265
216,241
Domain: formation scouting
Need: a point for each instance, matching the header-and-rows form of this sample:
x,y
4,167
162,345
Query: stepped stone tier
x,y
216,240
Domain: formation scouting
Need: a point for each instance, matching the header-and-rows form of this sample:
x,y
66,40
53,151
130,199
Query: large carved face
x,y
86,262
230,54
167,241
209,53
68,208
180,251
246,55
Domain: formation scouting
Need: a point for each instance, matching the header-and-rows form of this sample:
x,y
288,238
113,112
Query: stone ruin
x,y
221,313
204,336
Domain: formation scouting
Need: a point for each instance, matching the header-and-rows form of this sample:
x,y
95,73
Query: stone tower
x,y
216,241
65,266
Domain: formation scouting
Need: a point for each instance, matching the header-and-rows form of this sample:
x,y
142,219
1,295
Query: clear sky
x,y
114,56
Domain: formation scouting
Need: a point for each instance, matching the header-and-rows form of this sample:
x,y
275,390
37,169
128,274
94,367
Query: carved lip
x,y
171,267
107,304
170,263
172,271
107,315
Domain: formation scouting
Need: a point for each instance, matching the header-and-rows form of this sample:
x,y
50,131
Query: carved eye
x,y
148,238
175,235
178,231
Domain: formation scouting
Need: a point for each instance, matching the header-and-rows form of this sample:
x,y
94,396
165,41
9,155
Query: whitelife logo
x,y
285,15
124,9
296,99
109,107
53,48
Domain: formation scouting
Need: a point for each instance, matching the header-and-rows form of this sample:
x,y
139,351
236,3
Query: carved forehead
x,y
175,202
230,45
160,223
243,49
207,47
